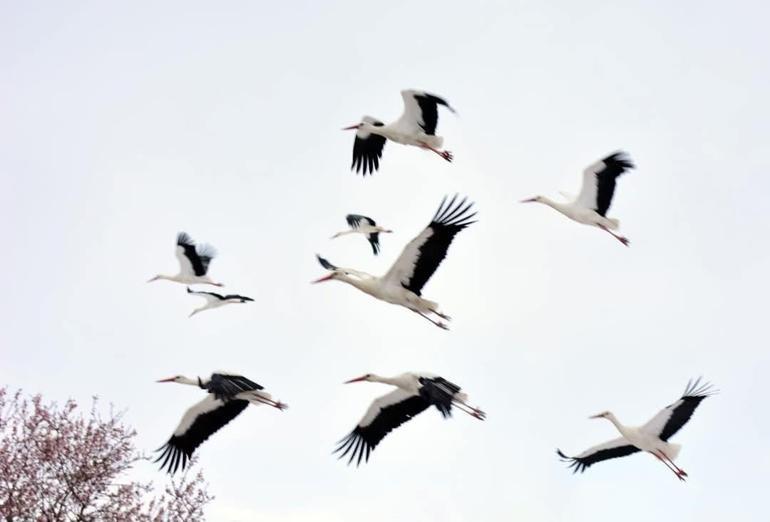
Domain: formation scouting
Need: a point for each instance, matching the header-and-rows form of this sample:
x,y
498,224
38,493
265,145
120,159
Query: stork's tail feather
x,y
612,223
434,141
672,451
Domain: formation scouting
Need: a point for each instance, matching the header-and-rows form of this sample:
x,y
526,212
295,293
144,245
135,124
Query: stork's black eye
x,y
378,124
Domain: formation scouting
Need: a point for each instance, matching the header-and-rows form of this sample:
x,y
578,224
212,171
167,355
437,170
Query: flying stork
x,y
414,393
214,300
416,127
367,226
228,395
402,284
651,437
194,263
591,205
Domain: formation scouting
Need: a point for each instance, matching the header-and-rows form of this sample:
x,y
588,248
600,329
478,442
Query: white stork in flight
x,y
402,284
591,205
416,127
228,395
414,393
214,300
367,226
651,437
194,263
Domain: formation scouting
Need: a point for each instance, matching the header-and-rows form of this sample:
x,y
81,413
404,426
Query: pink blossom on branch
x,y
56,464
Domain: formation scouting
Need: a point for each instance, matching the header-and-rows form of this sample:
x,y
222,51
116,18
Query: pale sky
x,y
121,125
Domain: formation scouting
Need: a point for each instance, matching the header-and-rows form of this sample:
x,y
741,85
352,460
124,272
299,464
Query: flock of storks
x,y
229,394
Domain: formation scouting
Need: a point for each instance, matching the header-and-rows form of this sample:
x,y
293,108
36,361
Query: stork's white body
x,y
416,127
652,437
591,205
577,212
187,279
364,229
414,393
193,263
227,396
644,439
406,132
214,300
385,289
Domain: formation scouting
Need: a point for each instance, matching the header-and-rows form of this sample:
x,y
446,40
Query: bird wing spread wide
x,y
612,449
227,386
185,265
389,399
411,119
384,415
211,297
403,269
354,220
367,149
423,255
587,196
670,419
198,424
209,403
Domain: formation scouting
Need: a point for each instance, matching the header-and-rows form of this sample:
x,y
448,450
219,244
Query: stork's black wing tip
x,y
184,239
620,159
324,263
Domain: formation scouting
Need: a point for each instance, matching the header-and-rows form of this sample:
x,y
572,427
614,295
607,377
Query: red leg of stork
x,y
470,410
443,316
443,153
622,239
675,472
439,324
270,402
679,470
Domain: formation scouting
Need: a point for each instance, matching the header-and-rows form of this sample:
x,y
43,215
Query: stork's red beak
x,y
357,379
357,125
170,379
528,200
322,279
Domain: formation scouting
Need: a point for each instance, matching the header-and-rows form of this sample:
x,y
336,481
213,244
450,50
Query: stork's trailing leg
x,y
270,402
679,470
470,410
437,323
622,239
443,153
443,316
674,471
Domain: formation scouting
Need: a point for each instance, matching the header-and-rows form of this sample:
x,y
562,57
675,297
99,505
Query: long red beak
x,y
357,125
357,379
528,200
170,379
322,279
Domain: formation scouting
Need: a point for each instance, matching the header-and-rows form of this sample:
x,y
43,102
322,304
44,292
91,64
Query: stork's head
x,y
535,199
175,378
602,415
368,123
364,378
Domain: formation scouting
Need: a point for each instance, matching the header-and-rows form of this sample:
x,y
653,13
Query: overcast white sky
x,y
123,124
